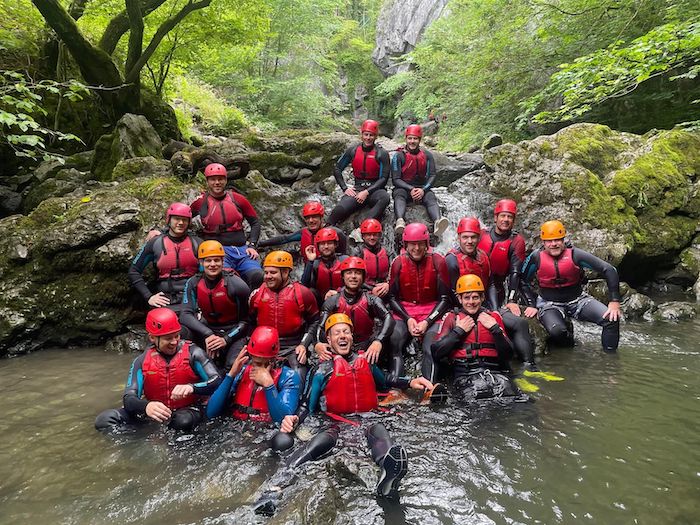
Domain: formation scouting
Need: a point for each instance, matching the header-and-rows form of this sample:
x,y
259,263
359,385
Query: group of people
x,y
229,336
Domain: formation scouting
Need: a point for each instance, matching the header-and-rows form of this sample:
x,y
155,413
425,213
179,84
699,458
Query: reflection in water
x,y
615,442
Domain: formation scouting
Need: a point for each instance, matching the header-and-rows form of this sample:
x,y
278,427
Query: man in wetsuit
x,y
506,250
348,384
222,299
473,339
559,273
375,256
167,381
287,306
174,258
322,268
312,212
370,168
222,212
413,174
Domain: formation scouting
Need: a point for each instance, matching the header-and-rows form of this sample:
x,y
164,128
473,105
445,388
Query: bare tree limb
x,y
120,25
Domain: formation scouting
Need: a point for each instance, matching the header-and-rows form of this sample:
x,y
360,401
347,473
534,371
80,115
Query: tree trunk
x,y
120,25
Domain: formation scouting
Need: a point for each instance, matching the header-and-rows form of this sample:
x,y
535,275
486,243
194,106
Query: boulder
x,y
492,141
10,201
675,311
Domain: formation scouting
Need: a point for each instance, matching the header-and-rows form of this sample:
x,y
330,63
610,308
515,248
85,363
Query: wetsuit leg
x,y
232,352
186,419
431,205
391,458
345,207
555,324
379,441
429,368
281,441
398,340
320,444
519,332
377,203
400,198
593,311
112,418
294,364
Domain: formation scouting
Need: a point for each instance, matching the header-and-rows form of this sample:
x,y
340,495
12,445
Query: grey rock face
x,y
675,311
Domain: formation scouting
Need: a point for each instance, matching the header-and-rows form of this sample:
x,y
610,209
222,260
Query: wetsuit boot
x,y
391,458
320,444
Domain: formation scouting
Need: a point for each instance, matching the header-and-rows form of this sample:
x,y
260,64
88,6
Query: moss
x,y
592,146
690,261
663,235
598,207
263,160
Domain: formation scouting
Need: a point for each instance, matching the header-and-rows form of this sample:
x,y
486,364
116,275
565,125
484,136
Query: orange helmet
x,y
552,230
210,249
279,259
337,319
469,283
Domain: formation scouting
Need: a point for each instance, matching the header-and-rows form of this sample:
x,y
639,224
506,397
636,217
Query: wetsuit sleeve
x,y
206,370
397,162
308,278
382,383
283,399
250,215
328,307
589,261
491,294
395,291
319,380
517,256
503,345
143,258
529,270
311,314
280,239
188,315
384,170
219,401
453,272
379,311
443,290
134,402
449,337
343,162
238,291
342,240
431,170
197,205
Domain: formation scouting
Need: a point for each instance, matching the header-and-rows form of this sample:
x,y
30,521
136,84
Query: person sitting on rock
x,y
222,300
364,309
474,341
221,213
419,294
167,381
375,257
174,257
348,384
468,258
506,250
322,268
371,169
413,174
312,212
287,306
559,272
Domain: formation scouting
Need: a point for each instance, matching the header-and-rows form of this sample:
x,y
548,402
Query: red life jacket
x,y
249,401
177,259
283,310
365,165
362,323
415,167
498,252
479,343
478,265
161,376
418,282
377,266
307,239
216,306
350,388
221,215
328,278
558,273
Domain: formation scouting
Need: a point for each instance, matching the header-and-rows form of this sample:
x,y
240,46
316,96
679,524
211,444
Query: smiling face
x,y
340,338
468,242
412,142
554,247
371,239
313,222
368,138
216,185
166,344
178,225
327,248
275,277
417,250
353,279
504,222
213,266
471,301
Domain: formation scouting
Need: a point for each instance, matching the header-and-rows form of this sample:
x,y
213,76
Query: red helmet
x,y
371,226
162,321
353,263
415,130
326,234
370,125
215,170
506,206
312,208
178,209
416,232
469,224
264,342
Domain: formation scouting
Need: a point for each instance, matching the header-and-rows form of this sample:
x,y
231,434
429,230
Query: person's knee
x,y
281,441
254,278
109,419
558,331
184,420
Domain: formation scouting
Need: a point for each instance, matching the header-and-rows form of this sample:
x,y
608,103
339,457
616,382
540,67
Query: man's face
x,y
326,248
353,279
412,142
468,241
368,138
313,222
166,344
504,221
178,225
340,338
554,247
371,239
259,362
213,266
417,250
275,277
471,301
216,185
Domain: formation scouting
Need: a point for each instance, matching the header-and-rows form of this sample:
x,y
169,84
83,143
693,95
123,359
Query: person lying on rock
x,y
222,300
371,169
473,342
559,272
312,212
167,382
413,173
322,268
375,256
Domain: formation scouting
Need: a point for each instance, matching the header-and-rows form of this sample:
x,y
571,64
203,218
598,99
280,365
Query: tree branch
x,y
120,25
133,9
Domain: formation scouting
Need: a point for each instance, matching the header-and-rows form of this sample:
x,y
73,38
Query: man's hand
x,y
181,391
411,324
381,289
288,423
530,312
158,300
323,351
465,323
300,351
514,308
613,311
417,194
420,329
158,411
373,351
486,320
310,252
362,196
421,383
241,359
252,253
350,192
261,375
152,234
330,293
213,344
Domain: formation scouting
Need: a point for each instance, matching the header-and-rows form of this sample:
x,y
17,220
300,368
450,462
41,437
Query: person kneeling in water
x,y
166,381
348,384
474,341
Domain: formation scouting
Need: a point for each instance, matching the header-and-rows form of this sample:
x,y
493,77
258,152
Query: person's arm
x,y
219,401
394,290
319,380
283,399
396,166
308,278
197,205
238,291
379,311
517,256
343,162
188,315
608,271
328,307
529,270
504,347
430,170
453,272
342,240
383,383
448,339
492,294
143,258
444,292
133,400
280,239
384,170
311,314
206,370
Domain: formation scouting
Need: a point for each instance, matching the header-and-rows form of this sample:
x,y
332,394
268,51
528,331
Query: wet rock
x,y
675,311
696,290
492,141
636,306
539,336
132,341
62,183
452,168
10,201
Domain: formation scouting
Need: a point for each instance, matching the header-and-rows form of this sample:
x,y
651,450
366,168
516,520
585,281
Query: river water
x,y
617,441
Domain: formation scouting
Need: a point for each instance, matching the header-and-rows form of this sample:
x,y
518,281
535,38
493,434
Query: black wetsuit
x,y
425,181
296,237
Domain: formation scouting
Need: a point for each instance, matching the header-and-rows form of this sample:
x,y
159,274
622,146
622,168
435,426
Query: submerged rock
x,y
675,311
